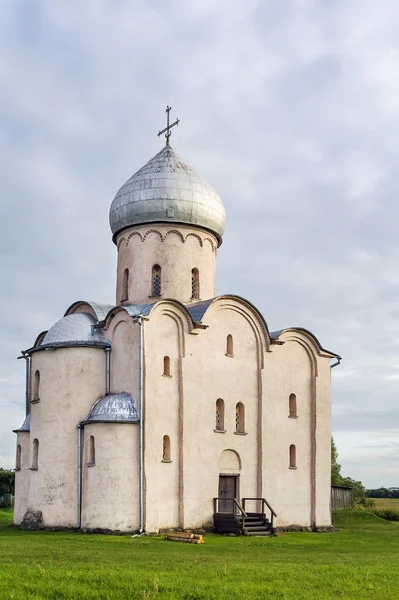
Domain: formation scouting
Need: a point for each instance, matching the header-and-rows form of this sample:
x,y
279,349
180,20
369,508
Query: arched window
x,y
292,406
18,458
125,285
219,415
292,456
156,280
240,418
92,452
166,449
166,366
36,386
229,345
35,455
195,284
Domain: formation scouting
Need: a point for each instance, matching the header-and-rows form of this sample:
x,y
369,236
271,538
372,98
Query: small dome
x,y
119,408
167,190
75,330
25,425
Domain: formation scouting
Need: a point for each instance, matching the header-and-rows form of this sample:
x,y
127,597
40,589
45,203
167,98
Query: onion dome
x,y
114,408
25,425
167,190
74,330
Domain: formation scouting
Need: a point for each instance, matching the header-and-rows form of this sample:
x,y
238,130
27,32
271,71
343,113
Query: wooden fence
x,y
341,497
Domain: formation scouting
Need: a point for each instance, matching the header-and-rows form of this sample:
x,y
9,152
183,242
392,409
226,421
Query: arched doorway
x,y
229,479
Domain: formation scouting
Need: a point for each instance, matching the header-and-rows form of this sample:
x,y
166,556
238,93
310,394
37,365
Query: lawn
x,y
358,561
383,503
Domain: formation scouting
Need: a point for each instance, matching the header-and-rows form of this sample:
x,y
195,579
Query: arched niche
x,y
229,462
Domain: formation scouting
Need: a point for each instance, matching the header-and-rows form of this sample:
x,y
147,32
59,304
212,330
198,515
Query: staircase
x,y
236,520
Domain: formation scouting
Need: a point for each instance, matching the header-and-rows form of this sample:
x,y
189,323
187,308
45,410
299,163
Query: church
x,y
173,408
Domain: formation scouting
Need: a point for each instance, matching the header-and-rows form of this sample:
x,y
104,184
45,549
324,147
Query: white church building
x,y
173,408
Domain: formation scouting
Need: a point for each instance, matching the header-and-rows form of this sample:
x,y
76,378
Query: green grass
x,y
357,562
383,503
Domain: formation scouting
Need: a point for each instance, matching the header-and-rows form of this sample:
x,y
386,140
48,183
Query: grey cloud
x,y
288,109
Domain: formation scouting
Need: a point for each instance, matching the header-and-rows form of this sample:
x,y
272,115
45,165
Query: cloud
x,y
288,108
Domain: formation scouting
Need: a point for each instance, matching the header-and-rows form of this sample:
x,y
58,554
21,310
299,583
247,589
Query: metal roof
x,y
101,310
114,408
167,190
25,425
74,330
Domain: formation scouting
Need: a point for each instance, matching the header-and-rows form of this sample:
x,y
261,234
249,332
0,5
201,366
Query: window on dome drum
x,y
166,449
195,284
18,458
166,366
292,406
292,456
36,386
229,346
92,452
125,286
219,415
35,455
240,418
156,281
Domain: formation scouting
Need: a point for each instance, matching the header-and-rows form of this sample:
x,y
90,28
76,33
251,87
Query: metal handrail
x,y
264,501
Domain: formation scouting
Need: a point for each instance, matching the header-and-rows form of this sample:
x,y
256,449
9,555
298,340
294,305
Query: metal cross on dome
x,y
168,126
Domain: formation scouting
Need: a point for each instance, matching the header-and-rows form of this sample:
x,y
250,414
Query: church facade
x,y
140,414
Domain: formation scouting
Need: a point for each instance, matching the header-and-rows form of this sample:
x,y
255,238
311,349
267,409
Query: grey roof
x,y
25,425
274,335
114,408
168,190
101,310
74,330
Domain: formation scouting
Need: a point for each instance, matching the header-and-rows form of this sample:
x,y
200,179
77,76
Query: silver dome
x,y
166,189
74,330
120,408
25,425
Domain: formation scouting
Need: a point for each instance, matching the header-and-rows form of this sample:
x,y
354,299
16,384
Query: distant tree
x,y
336,476
7,482
359,495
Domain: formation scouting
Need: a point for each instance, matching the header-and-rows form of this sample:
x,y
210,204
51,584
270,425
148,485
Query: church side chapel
x,y
173,408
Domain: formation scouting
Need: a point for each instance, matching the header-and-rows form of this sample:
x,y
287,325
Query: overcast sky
x,y
289,108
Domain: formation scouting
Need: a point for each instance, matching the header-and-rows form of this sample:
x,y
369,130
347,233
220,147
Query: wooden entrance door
x,y
228,489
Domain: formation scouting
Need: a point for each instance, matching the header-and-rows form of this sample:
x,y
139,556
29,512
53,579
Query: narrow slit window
x,y
195,284
219,415
18,458
156,281
229,345
125,285
166,449
35,454
292,406
292,456
92,451
166,366
36,386
240,418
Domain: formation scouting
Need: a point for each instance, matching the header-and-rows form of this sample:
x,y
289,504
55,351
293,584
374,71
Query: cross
x,y
168,126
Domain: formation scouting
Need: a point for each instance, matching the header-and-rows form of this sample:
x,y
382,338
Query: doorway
x,y
228,489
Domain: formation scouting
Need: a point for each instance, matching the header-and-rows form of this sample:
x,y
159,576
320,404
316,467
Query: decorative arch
x,y
119,244
229,462
195,235
129,237
147,233
177,232
207,239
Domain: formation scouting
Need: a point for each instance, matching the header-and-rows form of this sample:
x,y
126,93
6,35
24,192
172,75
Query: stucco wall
x,y
71,380
22,478
177,250
110,488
